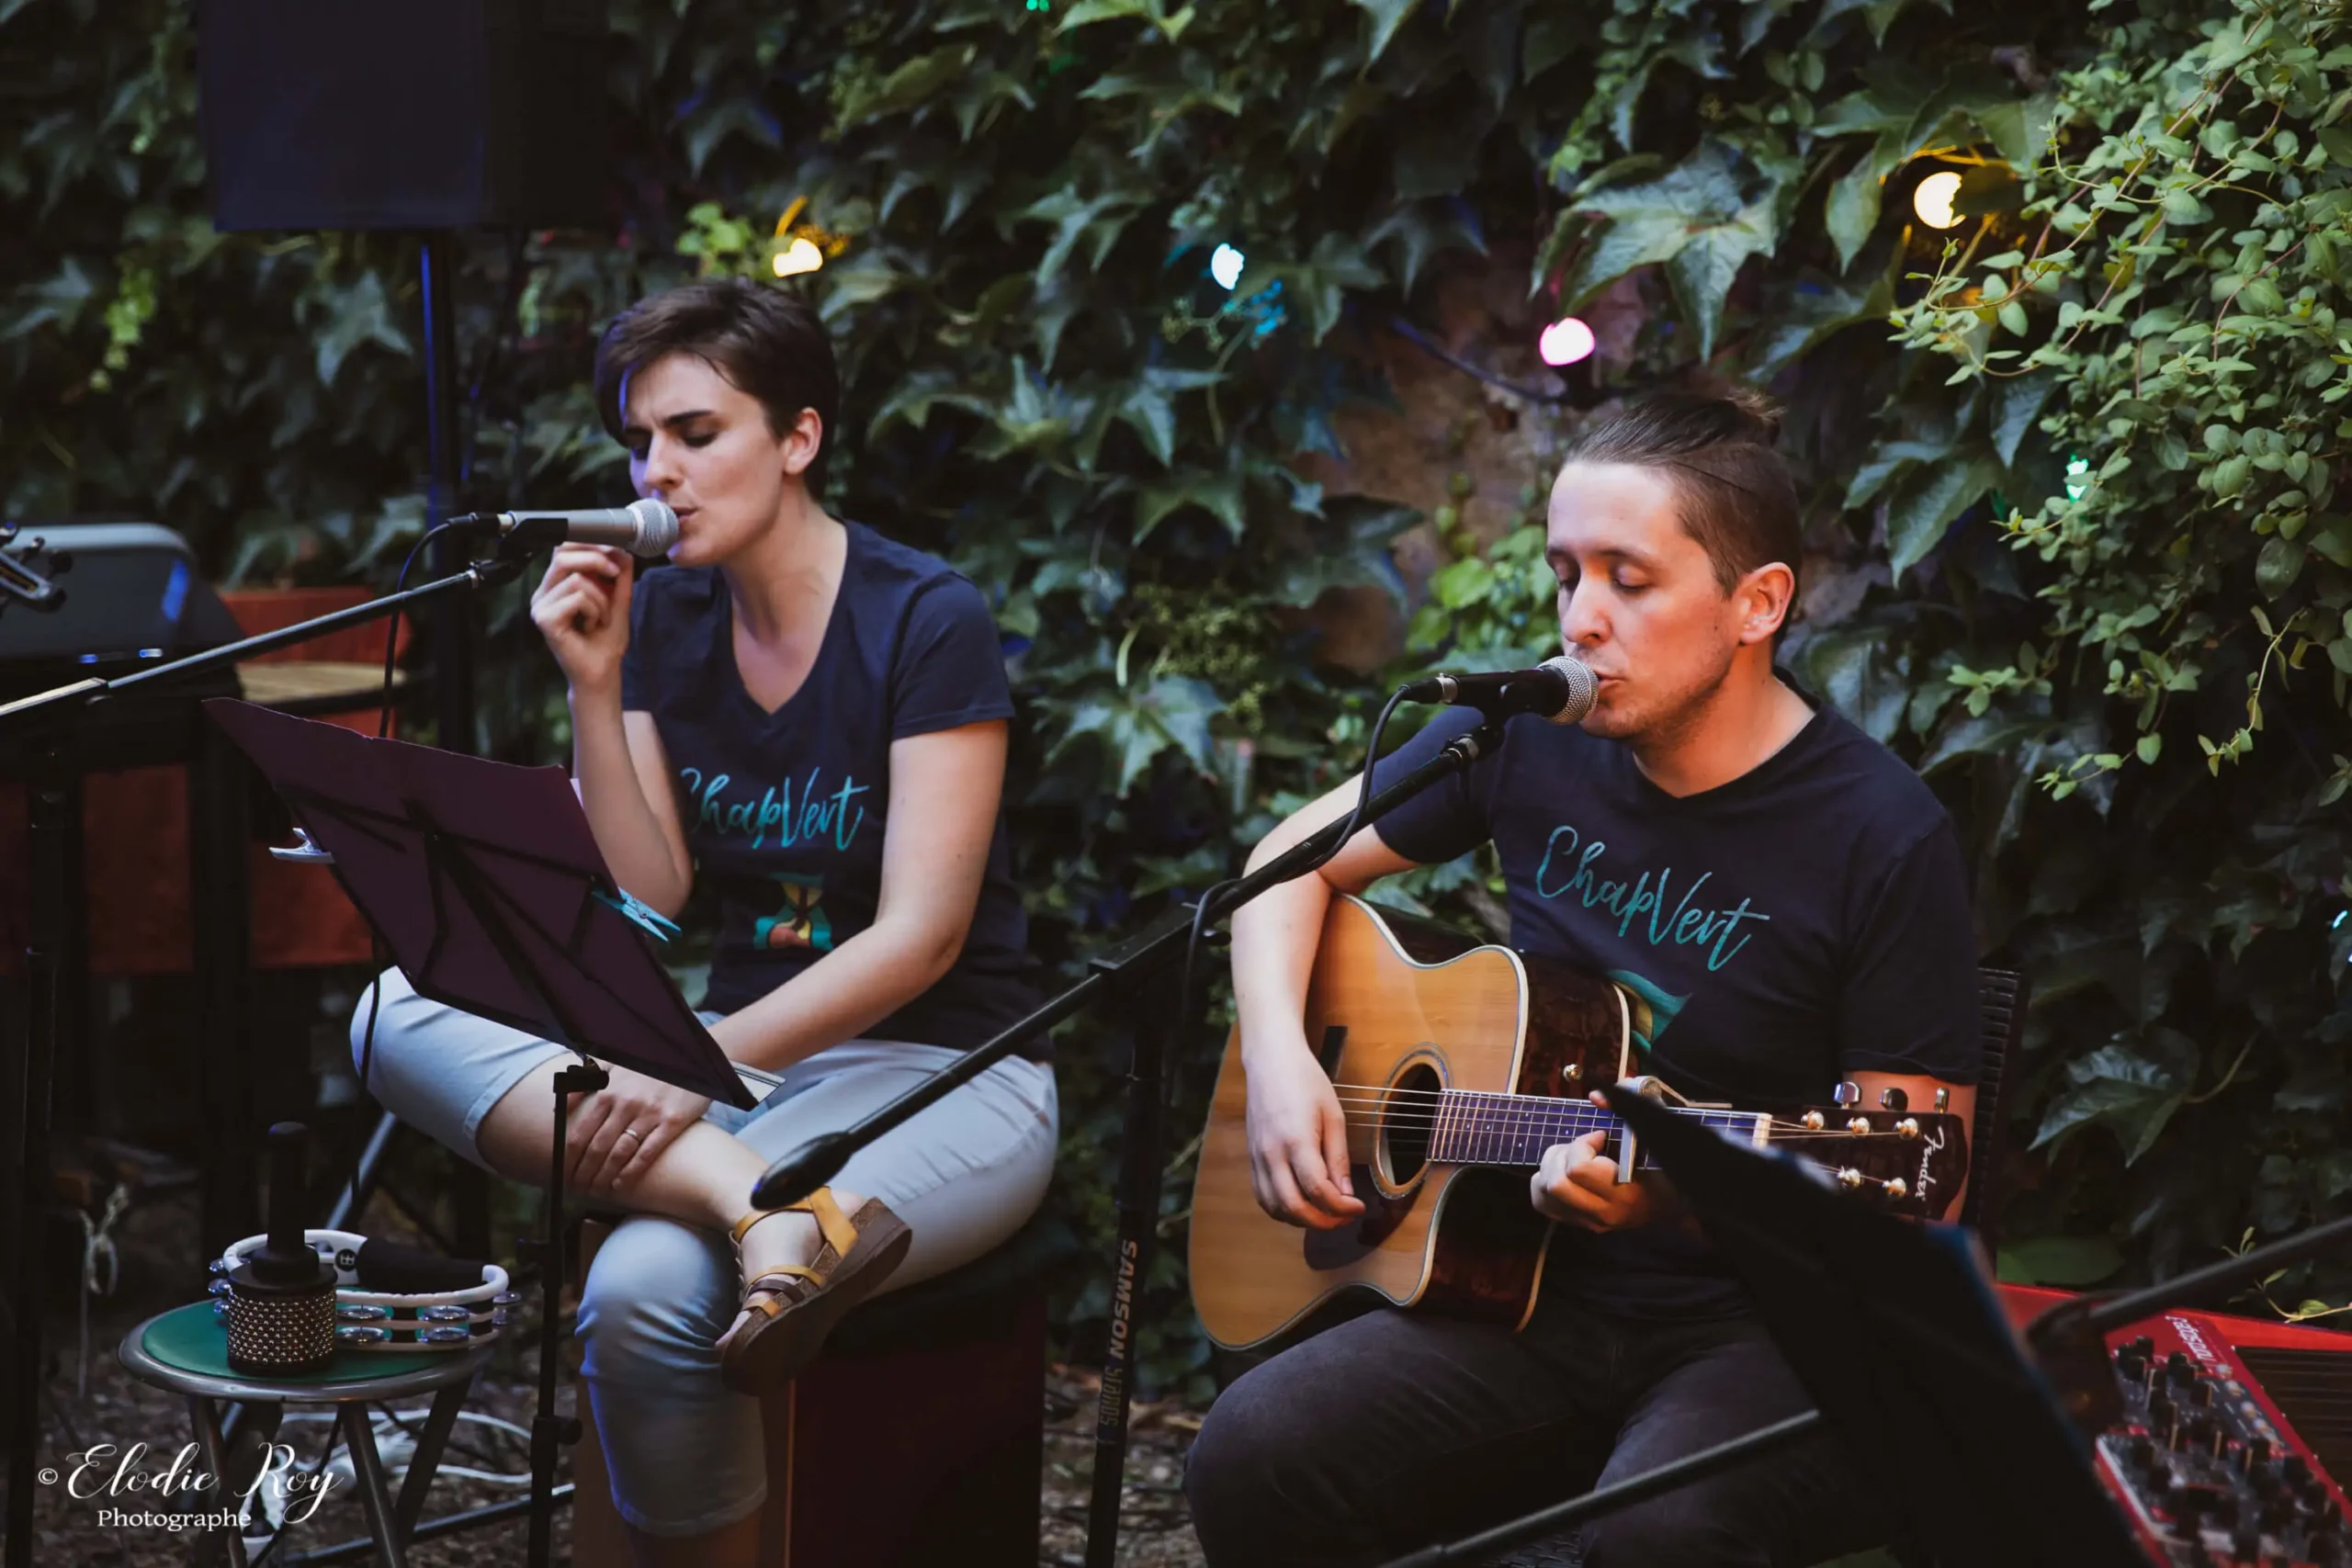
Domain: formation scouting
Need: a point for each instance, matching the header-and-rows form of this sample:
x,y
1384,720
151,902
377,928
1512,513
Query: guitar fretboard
x,y
1475,1128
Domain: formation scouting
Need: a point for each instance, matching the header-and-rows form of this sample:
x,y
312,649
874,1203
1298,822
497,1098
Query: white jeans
x,y
684,1455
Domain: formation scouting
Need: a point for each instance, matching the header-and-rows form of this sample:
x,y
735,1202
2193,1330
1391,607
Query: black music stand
x,y
485,883
1895,1331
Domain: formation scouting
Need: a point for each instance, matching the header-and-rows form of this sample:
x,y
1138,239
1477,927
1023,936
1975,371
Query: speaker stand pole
x,y
453,630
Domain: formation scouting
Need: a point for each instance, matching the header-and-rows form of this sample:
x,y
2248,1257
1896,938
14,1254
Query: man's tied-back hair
x,y
766,342
1732,489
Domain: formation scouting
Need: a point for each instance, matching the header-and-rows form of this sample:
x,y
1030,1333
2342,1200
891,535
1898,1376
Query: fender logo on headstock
x,y
1930,1148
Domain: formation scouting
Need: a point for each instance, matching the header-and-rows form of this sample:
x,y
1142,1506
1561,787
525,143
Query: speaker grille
x,y
2313,1390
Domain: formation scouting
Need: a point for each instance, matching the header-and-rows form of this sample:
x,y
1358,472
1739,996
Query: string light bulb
x,y
1226,264
801,255
1931,198
1566,340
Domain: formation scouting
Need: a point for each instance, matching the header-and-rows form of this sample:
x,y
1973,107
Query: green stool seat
x,y
186,1350
194,1341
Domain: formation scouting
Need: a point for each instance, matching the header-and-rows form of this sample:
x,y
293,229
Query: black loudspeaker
x,y
404,114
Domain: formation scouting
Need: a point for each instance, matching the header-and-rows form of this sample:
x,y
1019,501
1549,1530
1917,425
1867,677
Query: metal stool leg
x,y
368,1466
438,1422
216,1461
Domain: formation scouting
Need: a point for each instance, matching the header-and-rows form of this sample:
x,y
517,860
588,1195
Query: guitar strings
x,y
1479,1103
1496,1119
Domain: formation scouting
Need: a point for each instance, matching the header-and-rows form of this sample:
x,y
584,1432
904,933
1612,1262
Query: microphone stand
x,y
47,718
1119,971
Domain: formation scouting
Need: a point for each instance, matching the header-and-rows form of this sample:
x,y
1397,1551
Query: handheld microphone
x,y
1560,691
642,527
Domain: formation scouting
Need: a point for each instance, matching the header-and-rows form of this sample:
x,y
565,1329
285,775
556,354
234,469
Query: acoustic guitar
x,y
1457,1065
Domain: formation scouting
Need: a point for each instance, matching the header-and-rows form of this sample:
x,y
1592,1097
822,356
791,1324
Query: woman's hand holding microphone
x,y
581,608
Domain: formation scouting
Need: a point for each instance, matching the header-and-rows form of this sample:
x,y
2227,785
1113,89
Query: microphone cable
x,y
375,944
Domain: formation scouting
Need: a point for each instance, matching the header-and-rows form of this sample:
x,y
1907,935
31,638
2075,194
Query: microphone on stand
x,y
1559,689
642,527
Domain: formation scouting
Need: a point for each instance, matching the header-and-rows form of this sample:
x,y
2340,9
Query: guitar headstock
x,y
1903,1162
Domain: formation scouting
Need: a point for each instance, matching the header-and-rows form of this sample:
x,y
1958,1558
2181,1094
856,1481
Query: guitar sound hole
x,y
1405,1128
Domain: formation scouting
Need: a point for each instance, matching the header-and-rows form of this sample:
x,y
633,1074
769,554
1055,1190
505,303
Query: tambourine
x,y
386,1320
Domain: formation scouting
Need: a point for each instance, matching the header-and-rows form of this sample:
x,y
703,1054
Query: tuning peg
x,y
1813,1120
1893,1099
1846,1095
1896,1189
1859,1125
1943,1099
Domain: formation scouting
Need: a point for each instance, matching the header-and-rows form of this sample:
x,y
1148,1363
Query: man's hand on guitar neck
x,y
1577,1185
1298,1141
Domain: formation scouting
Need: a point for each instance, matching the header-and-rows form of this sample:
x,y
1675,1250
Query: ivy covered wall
x,y
2077,545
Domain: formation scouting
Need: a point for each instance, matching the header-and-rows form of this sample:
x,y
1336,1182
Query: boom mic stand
x,y
1118,972
47,715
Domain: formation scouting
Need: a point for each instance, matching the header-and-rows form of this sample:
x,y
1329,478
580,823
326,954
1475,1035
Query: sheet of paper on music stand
x,y
412,827
1897,1335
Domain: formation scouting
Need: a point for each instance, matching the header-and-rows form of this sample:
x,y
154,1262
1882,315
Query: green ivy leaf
x,y
2020,129
2121,1088
915,83
1218,494
1851,210
1927,503
362,314
2276,569
2017,403
1695,219
1387,16
1147,411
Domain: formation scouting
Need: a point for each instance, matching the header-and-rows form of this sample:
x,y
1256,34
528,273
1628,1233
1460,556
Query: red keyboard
x,y
2235,1431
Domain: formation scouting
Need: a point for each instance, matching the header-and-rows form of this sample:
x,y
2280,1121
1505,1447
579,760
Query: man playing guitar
x,y
1785,903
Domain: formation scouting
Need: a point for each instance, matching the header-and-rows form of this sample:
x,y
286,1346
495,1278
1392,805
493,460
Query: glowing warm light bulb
x,y
1931,199
801,255
1226,264
1565,342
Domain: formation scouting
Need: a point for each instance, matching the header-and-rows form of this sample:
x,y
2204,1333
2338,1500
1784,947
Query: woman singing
x,y
813,718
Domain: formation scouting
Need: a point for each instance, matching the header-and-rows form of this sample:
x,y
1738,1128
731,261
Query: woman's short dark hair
x,y
765,342
1732,490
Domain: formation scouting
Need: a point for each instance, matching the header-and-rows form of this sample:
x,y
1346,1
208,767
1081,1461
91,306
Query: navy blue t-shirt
x,y
1806,921
786,813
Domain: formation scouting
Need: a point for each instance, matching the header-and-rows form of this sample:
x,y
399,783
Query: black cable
x,y
393,625
374,947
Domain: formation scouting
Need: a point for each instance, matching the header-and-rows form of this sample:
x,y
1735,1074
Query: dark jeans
x,y
1394,1430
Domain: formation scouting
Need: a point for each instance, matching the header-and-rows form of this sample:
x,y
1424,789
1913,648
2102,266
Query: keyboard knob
x,y
2200,1392
2255,1452
2295,1469
2131,1365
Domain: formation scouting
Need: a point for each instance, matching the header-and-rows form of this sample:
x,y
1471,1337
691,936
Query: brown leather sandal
x,y
788,1310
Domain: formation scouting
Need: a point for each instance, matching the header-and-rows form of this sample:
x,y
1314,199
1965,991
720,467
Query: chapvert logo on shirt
x,y
1570,865
819,815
